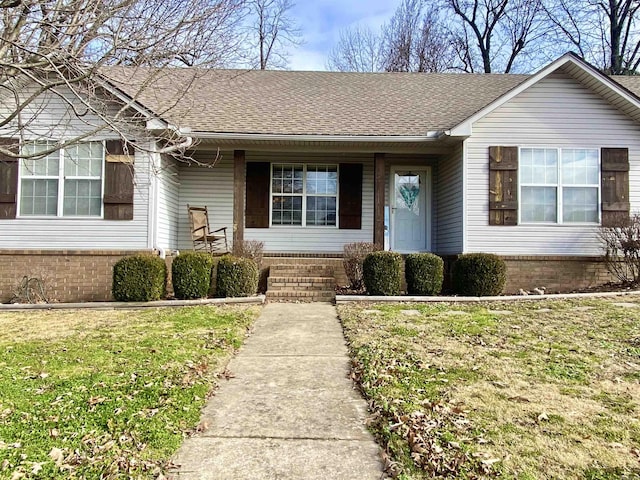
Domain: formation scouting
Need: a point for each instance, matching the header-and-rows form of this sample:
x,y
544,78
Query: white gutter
x,y
429,137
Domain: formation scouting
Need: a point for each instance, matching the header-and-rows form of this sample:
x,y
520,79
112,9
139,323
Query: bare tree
x,y
359,49
605,32
272,31
490,35
52,52
414,40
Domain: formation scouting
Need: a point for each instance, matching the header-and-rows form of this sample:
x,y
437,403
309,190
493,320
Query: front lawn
x,y
107,394
525,390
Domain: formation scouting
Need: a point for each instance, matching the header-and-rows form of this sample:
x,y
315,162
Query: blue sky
x,y
321,21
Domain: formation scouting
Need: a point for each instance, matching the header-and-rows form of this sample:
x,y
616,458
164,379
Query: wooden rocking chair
x,y
203,238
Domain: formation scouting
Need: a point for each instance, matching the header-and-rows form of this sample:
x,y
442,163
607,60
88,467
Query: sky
x,y
322,20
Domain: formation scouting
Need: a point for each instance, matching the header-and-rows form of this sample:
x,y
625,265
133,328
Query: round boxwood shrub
x,y
139,278
237,277
424,273
479,274
382,273
191,275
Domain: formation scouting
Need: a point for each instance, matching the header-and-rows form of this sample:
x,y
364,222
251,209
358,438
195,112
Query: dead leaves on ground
x,y
425,426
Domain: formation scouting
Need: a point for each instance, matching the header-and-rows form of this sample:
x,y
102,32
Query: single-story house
x,y
524,166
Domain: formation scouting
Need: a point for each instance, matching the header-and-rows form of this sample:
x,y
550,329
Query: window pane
x,y
321,210
38,197
322,179
580,204
83,160
286,210
580,167
287,178
539,166
538,204
82,198
44,166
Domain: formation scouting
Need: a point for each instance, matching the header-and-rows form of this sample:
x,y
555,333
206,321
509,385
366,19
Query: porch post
x,y
378,199
239,180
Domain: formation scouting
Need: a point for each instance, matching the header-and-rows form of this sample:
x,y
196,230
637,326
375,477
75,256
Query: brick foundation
x,y
68,275
556,273
86,275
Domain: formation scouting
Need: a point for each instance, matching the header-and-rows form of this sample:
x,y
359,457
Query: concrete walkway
x,y
290,411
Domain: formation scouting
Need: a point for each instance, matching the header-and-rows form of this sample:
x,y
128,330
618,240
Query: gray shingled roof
x,y
630,82
312,103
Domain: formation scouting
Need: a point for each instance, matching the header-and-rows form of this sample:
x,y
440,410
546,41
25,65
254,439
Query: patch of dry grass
x,y
550,390
108,394
57,324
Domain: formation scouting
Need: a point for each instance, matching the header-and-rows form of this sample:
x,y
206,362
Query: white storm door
x,y
410,204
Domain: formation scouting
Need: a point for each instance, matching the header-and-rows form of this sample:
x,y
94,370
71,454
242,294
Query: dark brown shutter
x,y
8,179
615,186
350,193
118,181
256,210
503,185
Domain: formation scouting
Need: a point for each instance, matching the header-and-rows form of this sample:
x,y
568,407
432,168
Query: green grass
x,y
502,389
107,394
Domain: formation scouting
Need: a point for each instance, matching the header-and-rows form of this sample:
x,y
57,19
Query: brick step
x,y
290,296
325,282
301,270
299,287
302,283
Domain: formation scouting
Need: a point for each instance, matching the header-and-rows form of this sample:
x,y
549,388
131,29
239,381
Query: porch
x,y
311,202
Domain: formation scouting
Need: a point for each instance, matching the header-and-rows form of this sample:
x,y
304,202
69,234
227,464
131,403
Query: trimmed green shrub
x,y
424,273
479,274
382,273
191,274
139,278
237,277
352,259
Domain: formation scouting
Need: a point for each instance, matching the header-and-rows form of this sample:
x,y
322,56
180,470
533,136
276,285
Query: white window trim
x,y
559,187
304,195
61,178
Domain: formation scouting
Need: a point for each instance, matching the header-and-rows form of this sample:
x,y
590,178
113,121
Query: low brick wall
x,y
67,275
86,275
556,273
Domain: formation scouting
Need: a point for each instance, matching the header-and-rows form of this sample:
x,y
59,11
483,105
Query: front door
x,y
410,204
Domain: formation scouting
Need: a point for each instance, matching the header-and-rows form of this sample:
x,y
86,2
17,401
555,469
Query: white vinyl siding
x,y
67,233
557,112
52,116
449,204
316,239
206,186
168,204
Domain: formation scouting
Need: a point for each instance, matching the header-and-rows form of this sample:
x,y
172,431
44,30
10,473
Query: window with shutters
x,y
304,195
65,183
559,185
